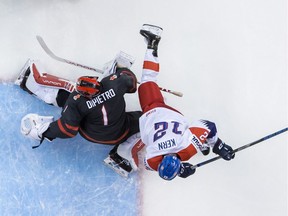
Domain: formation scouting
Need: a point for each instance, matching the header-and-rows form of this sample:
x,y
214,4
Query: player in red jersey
x,y
169,138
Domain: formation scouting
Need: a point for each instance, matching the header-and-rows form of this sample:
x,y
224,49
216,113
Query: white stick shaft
x,y
52,55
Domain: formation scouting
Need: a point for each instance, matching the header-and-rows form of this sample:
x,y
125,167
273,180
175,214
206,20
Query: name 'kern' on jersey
x,y
174,135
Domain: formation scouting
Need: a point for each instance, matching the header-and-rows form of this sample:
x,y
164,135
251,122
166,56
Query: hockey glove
x,y
185,170
224,150
33,125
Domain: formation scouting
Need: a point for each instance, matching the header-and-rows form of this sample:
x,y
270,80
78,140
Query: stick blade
x,y
47,50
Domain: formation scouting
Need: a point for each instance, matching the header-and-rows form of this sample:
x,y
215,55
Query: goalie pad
x,y
122,60
33,125
42,85
51,81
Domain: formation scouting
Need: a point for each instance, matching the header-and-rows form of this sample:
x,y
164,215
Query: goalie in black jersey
x,y
96,109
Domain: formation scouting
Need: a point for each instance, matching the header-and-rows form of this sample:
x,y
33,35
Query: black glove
x,y
185,170
224,150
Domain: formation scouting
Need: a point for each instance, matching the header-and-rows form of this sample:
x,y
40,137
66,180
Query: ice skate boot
x,y
23,76
25,71
152,35
118,164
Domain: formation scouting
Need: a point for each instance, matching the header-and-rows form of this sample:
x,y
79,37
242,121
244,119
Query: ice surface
x,y
228,57
64,177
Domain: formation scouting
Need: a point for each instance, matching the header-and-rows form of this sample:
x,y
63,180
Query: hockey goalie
x,y
95,109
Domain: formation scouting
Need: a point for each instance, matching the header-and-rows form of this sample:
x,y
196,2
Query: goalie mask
x,y
88,86
169,167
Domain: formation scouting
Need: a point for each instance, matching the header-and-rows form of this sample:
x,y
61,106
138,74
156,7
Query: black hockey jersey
x,y
102,119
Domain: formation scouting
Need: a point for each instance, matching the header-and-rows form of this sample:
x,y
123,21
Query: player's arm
x,y
153,163
128,78
204,134
67,125
60,129
40,127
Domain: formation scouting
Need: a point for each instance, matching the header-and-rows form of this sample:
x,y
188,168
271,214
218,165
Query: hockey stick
x,y
179,94
52,55
242,147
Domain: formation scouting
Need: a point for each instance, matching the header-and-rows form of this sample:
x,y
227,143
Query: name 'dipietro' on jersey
x,y
99,99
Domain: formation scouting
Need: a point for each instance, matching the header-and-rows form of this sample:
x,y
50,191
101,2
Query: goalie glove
x,y
185,170
122,60
33,125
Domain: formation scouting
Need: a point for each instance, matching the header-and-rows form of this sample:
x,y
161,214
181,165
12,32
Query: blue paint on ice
x,y
64,177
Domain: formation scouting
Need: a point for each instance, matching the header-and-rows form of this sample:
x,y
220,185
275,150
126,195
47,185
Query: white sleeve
x,y
204,134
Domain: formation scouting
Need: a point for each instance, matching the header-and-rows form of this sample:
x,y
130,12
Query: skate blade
x,y
153,29
22,72
112,165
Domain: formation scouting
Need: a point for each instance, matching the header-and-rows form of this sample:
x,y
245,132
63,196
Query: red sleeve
x,y
187,153
200,133
154,162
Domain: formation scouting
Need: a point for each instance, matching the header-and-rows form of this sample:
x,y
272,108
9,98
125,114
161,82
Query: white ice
x,y
228,57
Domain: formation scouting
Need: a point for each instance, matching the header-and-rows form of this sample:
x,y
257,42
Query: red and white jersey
x,y
165,131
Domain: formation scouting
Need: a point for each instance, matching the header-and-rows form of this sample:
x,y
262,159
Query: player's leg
x,y
149,92
123,158
51,89
152,35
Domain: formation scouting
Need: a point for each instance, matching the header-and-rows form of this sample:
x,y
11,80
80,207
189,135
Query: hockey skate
x,y
122,60
152,35
23,76
118,164
24,73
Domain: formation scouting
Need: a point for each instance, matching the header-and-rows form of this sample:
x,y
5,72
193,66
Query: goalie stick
x,y
242,147
57,58
52,55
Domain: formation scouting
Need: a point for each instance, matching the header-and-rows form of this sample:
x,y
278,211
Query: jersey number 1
x,y
105,117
